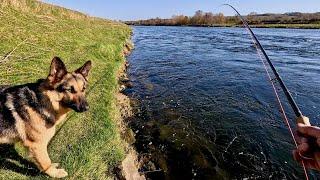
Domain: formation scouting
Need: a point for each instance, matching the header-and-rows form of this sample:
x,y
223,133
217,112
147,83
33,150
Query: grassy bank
x,y
88,145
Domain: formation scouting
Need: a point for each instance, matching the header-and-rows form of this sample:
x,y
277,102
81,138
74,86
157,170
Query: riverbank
x,y
286,26
209,19
88,145
129,167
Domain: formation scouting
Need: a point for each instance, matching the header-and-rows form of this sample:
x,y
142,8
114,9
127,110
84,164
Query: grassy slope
x,y
88,144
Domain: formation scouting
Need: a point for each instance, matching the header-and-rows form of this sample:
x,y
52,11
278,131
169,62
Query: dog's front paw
x,y
61,173
54,172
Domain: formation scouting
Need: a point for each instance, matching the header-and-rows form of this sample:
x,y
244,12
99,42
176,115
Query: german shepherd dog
x,y
29,113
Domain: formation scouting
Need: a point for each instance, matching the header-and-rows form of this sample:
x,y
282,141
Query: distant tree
x,y
252,19
180,20
197,18
221,19
199,14
208,18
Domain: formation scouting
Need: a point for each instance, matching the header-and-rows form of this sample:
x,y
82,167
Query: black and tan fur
x,y
29,113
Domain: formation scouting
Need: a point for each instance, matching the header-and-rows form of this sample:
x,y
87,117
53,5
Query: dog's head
x,y
69,86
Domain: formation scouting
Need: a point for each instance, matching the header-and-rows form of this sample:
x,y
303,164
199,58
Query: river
x,y
206,109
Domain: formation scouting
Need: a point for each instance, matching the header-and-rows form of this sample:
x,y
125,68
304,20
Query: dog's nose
x,y
84,107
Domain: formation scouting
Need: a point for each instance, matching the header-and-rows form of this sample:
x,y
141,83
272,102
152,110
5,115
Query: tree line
x,y
201,18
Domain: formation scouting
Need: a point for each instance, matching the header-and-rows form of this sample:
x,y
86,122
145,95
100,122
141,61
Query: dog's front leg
x,y
40,155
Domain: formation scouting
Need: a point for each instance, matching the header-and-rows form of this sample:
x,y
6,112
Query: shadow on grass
x,y
10,160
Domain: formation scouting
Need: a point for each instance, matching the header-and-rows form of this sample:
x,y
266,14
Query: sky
x,y
145,9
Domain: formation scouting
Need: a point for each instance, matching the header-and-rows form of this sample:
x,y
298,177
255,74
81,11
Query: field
x,y
87,145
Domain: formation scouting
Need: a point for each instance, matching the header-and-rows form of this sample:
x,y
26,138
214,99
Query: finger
x,y
296,156
317,158
301,140
318,142
304,140
303,120
302,148
310,163
297,137
309,130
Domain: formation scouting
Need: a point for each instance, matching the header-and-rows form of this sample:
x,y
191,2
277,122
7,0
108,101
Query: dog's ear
x,y
57,70
84,70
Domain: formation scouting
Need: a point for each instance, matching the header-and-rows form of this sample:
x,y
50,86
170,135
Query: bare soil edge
x,y
129,167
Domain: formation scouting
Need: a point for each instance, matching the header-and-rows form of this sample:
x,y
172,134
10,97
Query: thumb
x,y
303,120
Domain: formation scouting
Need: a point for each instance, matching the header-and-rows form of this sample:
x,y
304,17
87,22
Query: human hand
x,y
308,149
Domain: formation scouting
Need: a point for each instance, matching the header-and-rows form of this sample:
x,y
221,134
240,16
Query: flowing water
x,y
206,108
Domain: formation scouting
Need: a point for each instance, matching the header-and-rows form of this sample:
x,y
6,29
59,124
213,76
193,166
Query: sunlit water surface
x,y
207,109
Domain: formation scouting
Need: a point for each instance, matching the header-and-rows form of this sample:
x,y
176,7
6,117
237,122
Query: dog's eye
x,y
83,89
60,88
70,89
67,89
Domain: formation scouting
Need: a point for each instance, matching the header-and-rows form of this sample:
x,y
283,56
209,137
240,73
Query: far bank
x,y
286,26
209,19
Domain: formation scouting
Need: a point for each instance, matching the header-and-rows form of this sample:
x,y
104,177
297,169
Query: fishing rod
x,y
287,93
293,104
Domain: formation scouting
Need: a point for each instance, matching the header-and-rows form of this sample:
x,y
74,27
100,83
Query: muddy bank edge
x,y
129,167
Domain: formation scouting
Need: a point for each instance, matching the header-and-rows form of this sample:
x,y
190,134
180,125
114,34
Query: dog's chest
x,y
37,129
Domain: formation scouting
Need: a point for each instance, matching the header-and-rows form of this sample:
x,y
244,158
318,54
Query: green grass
x,y
88,145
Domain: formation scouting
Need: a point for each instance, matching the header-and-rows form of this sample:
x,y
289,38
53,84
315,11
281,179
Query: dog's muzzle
x,y
84,106
78,107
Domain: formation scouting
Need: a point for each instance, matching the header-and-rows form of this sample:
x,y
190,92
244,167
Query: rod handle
x,y
303,120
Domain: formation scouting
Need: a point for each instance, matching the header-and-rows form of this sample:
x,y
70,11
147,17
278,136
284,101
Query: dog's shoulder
x,y
19,98
7,120
21,94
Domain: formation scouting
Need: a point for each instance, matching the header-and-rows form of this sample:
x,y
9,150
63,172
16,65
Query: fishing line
x,y
264,57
